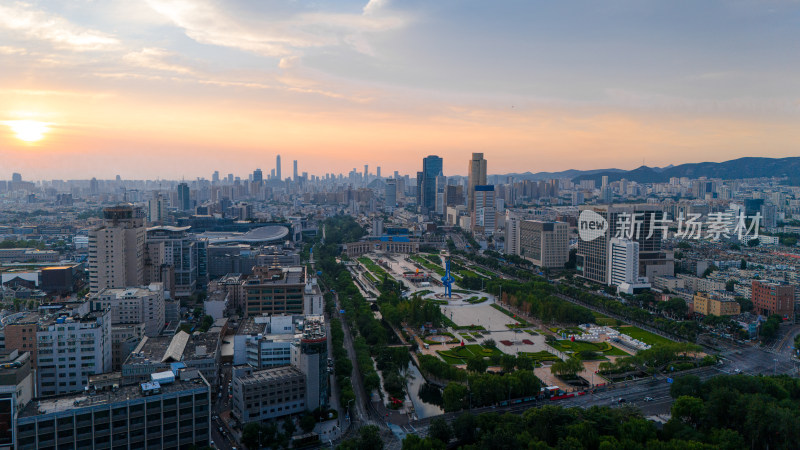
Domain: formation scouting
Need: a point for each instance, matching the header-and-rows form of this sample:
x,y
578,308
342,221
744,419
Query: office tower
x,y
172,410
623,261
606,195
476,176
278,167
512,234
312,359
441,194
772,298
258,176
294,174
604,181
391,193
16,177
157,209
769,216
133,305
426,183
366,172
215,177
396,174
545,244
378,172
184,201
593,256
85,338
174,248
116,249
94,186
483,210
230,178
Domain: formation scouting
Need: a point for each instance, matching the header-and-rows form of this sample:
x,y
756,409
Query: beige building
x,y
545,244
116,249
709,305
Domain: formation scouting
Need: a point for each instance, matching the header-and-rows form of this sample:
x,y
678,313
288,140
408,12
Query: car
x,y
622,400
648,399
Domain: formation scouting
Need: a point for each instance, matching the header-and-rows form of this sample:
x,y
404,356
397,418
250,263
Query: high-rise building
x,y
215,177
157,209
623,261
476,176
278,168
545,244
391,193
378,172
294,174
366,172
512,234
258,176
85,338
275,291
426,183
183,253
116,249
311,357
772,298
184,201
441,194
637,222
483,210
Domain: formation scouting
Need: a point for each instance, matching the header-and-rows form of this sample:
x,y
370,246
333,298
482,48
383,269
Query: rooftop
x,y
270,375
67,402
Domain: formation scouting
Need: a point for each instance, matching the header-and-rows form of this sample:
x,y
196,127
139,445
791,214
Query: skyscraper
x,y
294,175
476,173
278,168
184,202
483,211
366,172
378,172
391,193
116,249
258,175
426,182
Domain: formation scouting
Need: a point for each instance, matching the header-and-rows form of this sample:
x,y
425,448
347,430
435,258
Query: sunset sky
x,y
179,88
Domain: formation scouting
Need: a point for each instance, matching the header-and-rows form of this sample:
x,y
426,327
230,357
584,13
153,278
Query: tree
x,y
307,423
508,362
745,304
250,435
288,426
524,363
753,242
490,343
464,428
477,364
454,396
439,429
688,409
730,285
743,264
568,368
685,385
369,438
414,442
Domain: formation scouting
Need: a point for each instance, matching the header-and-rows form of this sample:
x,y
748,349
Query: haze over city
x,y
178,89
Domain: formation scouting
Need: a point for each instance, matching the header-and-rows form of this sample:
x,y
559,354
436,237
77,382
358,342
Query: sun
x,y
28,130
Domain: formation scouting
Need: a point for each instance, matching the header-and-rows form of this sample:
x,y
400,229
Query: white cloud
x,y
39,25
157,59
207,23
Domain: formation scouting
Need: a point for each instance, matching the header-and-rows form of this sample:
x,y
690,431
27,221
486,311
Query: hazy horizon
x,y
177,88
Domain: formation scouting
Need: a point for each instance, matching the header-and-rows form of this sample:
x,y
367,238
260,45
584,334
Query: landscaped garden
x,y
642,335
587,350
460,355
539,357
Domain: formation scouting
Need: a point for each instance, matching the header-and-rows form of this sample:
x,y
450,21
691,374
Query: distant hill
x,y
750,167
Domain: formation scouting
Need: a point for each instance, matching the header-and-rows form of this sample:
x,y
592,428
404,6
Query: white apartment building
x,y
133,305
69,349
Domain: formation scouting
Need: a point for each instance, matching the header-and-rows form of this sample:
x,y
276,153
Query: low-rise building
x,y
133,305
167,412
267,393
712,305
155,354
16,391
773,298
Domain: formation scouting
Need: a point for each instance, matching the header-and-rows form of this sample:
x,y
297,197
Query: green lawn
x,y
604,320
642,335
374,268
567,346
428,265
475,300
462,353
539,356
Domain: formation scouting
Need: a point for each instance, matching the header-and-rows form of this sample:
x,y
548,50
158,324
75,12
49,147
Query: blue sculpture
x,y
447,280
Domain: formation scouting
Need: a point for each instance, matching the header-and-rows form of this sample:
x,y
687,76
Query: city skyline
x,y
161,90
